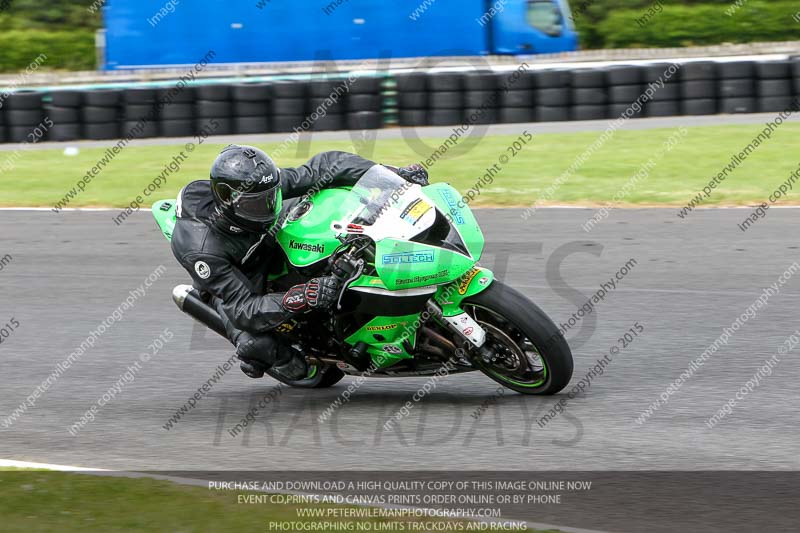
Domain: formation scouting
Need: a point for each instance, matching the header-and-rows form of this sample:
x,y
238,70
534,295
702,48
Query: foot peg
x,y
358,356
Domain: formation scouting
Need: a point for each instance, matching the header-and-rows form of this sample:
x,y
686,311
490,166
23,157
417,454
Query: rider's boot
x,y
261,352
257,353
291,363
253,369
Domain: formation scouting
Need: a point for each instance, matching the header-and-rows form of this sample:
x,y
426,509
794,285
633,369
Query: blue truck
x,y
166,33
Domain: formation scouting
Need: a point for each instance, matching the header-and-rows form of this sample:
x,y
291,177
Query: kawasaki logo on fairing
x,y
317,248
409,257
452,203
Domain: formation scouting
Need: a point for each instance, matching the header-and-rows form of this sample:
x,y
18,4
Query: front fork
x,y
463,325
446,307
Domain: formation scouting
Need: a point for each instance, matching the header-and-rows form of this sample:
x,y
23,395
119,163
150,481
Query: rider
x,y
225,238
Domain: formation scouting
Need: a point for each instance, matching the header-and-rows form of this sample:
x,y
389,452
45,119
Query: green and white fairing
x,y
427,242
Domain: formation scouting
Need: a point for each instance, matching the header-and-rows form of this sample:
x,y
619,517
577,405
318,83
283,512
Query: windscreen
x,y
378,191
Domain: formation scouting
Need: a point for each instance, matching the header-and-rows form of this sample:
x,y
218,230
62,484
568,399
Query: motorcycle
x,y
413,299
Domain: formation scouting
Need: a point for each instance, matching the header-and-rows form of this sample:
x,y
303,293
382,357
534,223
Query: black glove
x,y
318,293
415,174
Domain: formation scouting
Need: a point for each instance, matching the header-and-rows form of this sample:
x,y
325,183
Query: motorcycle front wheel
x,y
526,351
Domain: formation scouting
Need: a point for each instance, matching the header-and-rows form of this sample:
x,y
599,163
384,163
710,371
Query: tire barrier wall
x,y
696,88
407,99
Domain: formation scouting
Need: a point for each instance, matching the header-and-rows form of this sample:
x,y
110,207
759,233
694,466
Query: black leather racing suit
x,y
232,264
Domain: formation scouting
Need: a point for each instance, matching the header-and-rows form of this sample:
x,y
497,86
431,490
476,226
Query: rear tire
x,y
319,378
526,321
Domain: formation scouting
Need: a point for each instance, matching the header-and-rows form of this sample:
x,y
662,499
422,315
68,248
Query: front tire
x,y
533,357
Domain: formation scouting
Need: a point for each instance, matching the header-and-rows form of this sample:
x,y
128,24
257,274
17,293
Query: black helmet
x,y
247,187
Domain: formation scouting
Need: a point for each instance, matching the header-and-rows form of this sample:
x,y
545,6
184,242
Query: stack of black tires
x,y
774,85
23,113
364,104
251,107
446,98
213,109
339,104
665,78
588,95
796,75
481,99
516,97
455,98
699,88
736,86
412,98
326,104
553,95
100,114
750,86
288,105
625,86
177,112
437,99
140,114
63,108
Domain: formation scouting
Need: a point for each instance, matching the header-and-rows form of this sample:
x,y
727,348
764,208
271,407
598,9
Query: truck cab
x,y
533,27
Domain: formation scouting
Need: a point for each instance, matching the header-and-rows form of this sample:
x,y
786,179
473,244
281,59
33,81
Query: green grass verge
x,y
41,178
59,502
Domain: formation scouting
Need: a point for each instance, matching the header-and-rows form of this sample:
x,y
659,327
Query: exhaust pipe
x,y
188,300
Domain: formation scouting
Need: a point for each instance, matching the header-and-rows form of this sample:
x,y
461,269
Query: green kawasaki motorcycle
x,y
413,301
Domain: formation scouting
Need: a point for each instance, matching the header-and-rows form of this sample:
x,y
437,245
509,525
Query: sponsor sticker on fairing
x,y
452,203
466,280
391,348
415,211
381,328
409,257
422,279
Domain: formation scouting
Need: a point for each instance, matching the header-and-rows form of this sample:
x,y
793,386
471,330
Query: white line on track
x,y
8,463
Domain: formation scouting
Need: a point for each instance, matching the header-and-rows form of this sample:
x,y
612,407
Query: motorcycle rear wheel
x,y
318,378
532,356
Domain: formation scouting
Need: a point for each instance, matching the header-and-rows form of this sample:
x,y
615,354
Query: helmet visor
x,y
255,206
